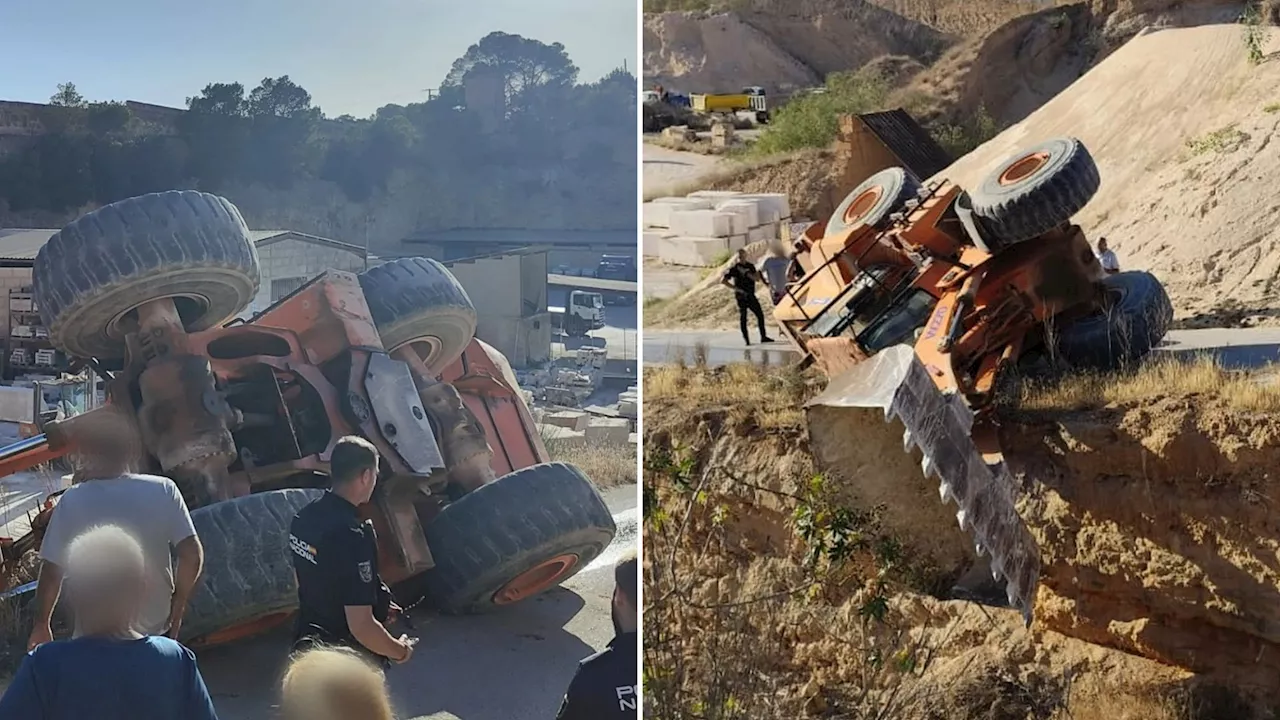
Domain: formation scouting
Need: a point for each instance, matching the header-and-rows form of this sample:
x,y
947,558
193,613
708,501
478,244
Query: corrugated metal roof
x,y
17,244
22,243
904,137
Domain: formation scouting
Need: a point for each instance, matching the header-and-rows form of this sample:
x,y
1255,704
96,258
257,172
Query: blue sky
x,y
352,55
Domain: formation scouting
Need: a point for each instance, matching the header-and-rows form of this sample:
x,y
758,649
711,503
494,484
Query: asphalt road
x,y
665,170
1233,347
509,665
720,347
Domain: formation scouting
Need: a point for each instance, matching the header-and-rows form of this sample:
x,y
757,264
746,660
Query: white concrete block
x,y
715,194
609,430
737,242
555,433
658,212
764,233
692,251
748,209
702,223
651,242
773,206
629,409
688,203
571,419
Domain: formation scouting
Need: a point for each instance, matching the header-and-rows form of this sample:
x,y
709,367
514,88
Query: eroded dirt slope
x,y
1158,530
1181,125
1148,554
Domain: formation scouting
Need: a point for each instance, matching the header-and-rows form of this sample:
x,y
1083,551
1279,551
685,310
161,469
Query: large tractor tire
x,y
247,585
1137,316
187,245
515,537
872,202
418,302
1035,192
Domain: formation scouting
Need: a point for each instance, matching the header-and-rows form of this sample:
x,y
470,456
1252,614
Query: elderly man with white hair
x,y
110,671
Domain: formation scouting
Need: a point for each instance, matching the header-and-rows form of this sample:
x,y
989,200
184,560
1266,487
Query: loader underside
x,y
243,415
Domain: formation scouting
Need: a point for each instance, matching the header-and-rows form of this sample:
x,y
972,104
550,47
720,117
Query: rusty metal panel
x,y
903,136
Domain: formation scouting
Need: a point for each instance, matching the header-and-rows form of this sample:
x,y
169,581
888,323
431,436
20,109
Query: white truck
x,y
584,313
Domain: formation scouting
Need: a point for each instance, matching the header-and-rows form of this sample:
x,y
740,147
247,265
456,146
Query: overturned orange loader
x,y
243,415
917,298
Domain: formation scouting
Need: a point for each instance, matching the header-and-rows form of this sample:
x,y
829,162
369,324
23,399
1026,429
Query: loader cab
x,y
882,307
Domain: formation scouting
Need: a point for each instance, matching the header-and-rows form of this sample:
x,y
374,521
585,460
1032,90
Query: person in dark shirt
x,y
741,277
341,598
607,684
110,671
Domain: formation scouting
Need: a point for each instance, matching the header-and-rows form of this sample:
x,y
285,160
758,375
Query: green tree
x,y
216,130
280,97
282,125
524,65
226,99
108,118
67,96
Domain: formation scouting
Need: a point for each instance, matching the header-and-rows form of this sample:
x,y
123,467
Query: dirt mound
x,y
1157,530
964,18
783,46
1181,126
728,479
1009,72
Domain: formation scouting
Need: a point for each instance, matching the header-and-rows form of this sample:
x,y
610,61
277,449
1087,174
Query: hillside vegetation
x,y
558,154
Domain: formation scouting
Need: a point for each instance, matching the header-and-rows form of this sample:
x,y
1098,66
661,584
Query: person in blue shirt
x,y
110,671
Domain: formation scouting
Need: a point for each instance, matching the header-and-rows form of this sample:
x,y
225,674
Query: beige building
x,y
509,290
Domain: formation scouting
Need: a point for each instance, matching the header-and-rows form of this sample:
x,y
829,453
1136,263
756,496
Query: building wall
x,y
511,305
11,279
287,264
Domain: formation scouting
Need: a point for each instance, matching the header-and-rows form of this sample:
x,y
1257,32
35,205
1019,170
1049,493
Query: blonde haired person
x,y
110,671
333,683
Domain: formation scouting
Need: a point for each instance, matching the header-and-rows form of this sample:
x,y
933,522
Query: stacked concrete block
x,y
651,242
571,419
774,207
629,405
702,223
715,195
554,433
699,230
721,135
608,430
657,213
747,212
692,251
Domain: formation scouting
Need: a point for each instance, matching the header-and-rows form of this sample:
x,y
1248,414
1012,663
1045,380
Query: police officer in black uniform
x,y
341,598
606,684
741,277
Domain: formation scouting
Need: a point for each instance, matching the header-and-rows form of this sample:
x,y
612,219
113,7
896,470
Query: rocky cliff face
x,y
783,46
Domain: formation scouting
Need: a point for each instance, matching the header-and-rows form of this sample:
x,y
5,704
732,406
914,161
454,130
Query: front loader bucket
x,y
848,436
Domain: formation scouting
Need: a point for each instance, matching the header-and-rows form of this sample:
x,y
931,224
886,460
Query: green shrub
x,y
814,120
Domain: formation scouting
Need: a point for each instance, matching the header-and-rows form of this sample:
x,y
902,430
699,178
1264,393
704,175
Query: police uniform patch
x,y
366,571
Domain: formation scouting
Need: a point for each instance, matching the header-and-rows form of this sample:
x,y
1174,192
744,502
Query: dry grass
x,y
1121,705
607,464
1158,378
773,397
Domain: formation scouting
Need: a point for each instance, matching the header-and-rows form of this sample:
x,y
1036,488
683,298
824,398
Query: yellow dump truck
x,y
751,99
